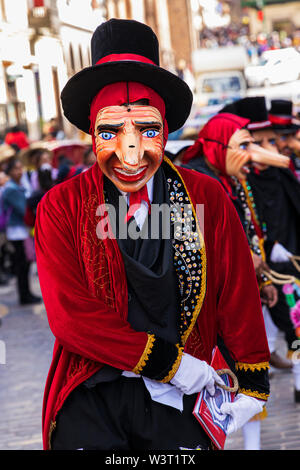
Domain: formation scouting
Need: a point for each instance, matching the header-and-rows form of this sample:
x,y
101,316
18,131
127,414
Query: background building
x,y
272,15
44,42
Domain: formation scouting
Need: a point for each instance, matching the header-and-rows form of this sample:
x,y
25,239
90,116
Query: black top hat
x,y
125,50
253,108
281,116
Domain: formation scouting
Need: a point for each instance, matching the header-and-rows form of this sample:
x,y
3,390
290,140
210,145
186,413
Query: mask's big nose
x,y
129,151
266,157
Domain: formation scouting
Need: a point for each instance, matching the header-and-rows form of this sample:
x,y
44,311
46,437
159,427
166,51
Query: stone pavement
x,y
28,343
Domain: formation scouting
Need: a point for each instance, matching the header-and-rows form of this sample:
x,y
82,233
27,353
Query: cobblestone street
x,y
28,343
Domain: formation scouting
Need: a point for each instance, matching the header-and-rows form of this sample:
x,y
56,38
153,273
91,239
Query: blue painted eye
x,y
244,145
272,141
150,133
107,135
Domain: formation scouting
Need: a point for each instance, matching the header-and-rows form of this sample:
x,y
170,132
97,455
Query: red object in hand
x,y
207,407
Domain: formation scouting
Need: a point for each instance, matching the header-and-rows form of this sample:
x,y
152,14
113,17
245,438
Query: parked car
x,y
220,88
276,66
219,74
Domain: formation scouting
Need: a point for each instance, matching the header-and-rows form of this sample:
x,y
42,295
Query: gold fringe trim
x,y
249,202
145,356
260,416
203,258
261,243
51,429
252,367
265,283
175,365
251,393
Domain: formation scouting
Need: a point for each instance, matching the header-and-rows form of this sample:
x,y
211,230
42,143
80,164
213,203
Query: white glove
x,y
279,254
193,375
241,410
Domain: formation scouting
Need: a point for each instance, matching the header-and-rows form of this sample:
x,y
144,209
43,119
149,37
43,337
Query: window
x,y
221,84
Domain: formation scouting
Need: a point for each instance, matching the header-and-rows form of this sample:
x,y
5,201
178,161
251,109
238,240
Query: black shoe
x,y
31,299
297,396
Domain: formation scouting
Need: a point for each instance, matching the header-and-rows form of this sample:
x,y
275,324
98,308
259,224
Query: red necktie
x,y
135,201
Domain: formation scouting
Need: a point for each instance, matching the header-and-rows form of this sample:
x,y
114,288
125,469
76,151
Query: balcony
x,y
39,17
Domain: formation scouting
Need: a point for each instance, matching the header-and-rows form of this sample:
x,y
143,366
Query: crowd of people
x,y
26,175
255,45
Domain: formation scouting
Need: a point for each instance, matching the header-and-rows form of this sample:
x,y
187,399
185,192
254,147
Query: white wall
x,y
79,13
138,10
26,92
16,13
48,54
77,38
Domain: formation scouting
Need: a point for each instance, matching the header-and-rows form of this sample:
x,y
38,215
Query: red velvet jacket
x,y
84,288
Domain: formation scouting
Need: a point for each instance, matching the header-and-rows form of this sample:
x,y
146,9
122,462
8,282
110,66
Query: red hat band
x,y
121,57
280,120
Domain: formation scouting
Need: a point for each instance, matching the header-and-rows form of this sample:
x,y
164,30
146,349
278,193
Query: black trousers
x,y
120,415
21,269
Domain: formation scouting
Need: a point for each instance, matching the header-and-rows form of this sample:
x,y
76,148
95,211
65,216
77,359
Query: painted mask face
x,y
283,145
243,152
129,144
237,156
266,139
297,149
293,142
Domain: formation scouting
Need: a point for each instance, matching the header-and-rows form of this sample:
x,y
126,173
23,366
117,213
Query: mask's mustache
x,y
267,157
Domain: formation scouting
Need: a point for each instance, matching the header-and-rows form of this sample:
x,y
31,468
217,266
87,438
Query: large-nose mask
x,y
242,152
129,144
